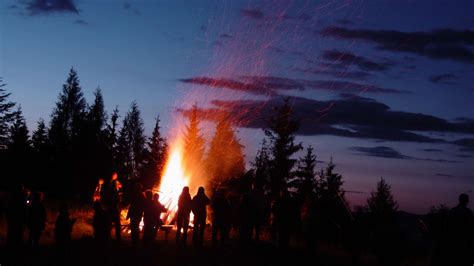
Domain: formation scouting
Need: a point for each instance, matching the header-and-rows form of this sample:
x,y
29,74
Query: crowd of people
x,y
246,213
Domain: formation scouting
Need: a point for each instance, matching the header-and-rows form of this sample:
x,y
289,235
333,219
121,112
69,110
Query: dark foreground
x,y
86,252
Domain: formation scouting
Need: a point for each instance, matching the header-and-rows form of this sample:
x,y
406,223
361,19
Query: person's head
x,y
156,197
101,181
149,194
185,190
463,199
201,191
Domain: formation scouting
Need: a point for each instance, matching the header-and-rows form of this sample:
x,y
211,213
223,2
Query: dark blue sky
x,y
385,87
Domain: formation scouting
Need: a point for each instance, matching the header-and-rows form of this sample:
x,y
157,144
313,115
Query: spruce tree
x,y
331,184
305,182
40,137
381,202
67,119
97,116
281,132
225,158
156,157
6,115
261,167
19,136
194,145
132,143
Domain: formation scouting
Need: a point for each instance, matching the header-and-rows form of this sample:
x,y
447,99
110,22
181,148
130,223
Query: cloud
x,y
347,58
467,144
432,150
446,78
344,74
387,152
81,22
45,7
271,85
128,6
355,117
252,13
437,44
380,151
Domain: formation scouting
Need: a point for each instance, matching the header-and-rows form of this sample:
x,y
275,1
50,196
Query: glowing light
x,y
172,182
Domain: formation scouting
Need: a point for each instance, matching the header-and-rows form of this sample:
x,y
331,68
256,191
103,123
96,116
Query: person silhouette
x,y
221,216
16,216
460,232
158,210
135,212
101,225
112,204
199,203
36,219
63,227
182,221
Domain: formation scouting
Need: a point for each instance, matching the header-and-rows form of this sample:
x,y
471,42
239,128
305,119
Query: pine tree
x,y
261,167
381,202
68,116
40,137
6,115
156,157
281,133
19,136
194,145
331,183
132,143
225,158
305,182
112,139
19,151
96,116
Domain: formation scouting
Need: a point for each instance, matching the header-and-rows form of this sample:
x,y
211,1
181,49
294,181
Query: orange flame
x,y
173,180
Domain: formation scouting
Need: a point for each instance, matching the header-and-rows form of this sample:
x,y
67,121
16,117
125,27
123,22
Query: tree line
x,y
83,142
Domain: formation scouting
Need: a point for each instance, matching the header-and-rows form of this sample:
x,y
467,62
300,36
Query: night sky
x,y
384,87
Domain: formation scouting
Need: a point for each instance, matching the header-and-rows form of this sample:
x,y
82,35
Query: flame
x,y
173,180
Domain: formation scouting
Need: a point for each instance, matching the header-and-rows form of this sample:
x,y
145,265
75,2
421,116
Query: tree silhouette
x,y
19,148
68,117
281,132
6,115
112,139
194,145
155,158
40,137
261,167
381,202
305,182
131,143
225,158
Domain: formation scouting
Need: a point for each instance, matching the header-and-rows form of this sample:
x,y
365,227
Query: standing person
x,y
101,225
36,219
158,210
112,204
199,203
221,216
16,217
460,227
184,210
135,212
63,227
